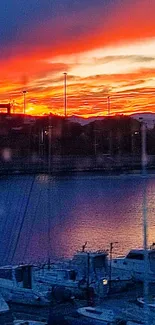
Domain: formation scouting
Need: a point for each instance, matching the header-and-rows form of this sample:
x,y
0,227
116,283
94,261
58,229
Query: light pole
x,y
65,94
49,145
110,131
24,97
108,104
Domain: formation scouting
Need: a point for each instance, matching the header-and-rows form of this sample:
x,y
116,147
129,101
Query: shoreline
x,y
72,172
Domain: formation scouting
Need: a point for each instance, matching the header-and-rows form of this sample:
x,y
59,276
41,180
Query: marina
x,y
105,209
72,278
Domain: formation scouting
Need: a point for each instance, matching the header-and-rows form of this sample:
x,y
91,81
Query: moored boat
x,y
16,285
5,312
151,302
84,271
103,315
132,265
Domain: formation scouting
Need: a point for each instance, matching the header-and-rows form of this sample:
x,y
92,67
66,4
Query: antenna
x,y
84,246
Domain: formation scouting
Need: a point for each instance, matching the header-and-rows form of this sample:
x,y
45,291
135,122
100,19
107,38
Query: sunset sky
x,y
107,48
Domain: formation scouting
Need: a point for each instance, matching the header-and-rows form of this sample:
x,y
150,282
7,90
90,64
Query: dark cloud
x,y
132,58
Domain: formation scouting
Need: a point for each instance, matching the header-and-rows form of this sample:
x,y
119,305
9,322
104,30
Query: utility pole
x,y
49,145
110,131
24,97
65,94
108,104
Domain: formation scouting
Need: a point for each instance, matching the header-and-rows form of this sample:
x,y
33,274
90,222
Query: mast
x,y
145,223
23,219
48,188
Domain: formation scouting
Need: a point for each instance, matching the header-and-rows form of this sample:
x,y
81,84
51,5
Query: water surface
x,y
59,214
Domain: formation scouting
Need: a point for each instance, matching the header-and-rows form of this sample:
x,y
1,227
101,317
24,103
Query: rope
x,y
32,225
23,219
15,225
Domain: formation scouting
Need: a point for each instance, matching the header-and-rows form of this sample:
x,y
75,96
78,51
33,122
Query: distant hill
x,y
84,121
149,118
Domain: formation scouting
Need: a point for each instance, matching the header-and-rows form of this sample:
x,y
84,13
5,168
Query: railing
x,y
103,163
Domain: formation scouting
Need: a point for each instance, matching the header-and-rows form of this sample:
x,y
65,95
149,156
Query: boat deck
x,y
124,303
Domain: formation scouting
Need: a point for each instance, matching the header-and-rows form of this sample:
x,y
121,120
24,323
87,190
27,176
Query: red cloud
x,y
75,33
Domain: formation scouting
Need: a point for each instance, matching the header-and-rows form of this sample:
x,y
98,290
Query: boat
x,y
4,307
103,315
151,302
133,265
16,285
84,271
5,312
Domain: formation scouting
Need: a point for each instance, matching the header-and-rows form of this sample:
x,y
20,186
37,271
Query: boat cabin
x,y
134,261
85,269
94,264
139,255
20,276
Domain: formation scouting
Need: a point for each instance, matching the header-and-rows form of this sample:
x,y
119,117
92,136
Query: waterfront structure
x,y
7,107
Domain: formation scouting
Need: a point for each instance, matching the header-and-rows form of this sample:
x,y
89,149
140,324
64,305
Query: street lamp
x,y
108,104
49,145
65,94
24,97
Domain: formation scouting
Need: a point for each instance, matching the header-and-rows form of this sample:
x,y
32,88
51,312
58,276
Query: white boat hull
x,y
151,304
23,296
103,316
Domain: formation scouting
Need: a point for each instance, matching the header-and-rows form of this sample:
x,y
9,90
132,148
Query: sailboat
x,y
85,271
16,281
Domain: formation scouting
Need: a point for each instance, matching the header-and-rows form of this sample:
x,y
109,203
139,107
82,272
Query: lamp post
x,y
65,94
108,104
24,97
110,131
49,145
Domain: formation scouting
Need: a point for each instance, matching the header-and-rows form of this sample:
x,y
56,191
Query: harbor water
x,y
41,214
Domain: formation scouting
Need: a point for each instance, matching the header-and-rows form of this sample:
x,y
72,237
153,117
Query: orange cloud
x,y
77,33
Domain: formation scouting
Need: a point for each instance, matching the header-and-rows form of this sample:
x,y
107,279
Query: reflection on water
x,y
97,209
